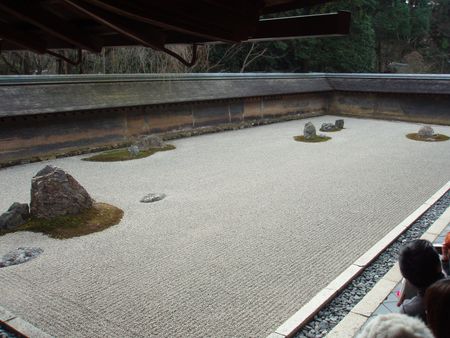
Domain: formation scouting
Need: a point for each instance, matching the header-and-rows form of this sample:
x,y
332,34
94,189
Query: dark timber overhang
x,y
42,26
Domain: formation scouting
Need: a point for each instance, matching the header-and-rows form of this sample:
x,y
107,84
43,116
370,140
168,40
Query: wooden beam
x,y
143,35
32,13
332,24
287,5
22,39
182,16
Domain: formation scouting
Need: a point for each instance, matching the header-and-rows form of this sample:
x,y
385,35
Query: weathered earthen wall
x,y
49,135
423,108
43,117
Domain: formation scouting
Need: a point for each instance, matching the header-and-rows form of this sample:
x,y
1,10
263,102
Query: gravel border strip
x,y
328,317
20,325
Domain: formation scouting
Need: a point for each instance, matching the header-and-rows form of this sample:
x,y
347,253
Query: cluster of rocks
x,y
338,125
144,143
309,132
333,313
19,256
54,193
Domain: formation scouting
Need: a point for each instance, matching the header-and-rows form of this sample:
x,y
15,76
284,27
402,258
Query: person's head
x,y
395,325
437,307
420,264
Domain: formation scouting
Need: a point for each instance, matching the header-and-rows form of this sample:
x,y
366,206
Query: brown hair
x,y
437,304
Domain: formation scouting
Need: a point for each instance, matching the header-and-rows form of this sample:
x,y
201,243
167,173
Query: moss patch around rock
x,y
316,139
97,218
124,155
435,138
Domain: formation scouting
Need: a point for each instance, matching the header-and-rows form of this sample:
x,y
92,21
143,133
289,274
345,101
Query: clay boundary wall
x,y
46,117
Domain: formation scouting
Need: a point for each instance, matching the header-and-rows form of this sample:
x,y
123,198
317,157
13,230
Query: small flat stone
x,y
152,197
19,256
133,150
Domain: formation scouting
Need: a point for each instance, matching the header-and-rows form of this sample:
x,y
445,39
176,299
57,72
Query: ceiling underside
x,y
43,25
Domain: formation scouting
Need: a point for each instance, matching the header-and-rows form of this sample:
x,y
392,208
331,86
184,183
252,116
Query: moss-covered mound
x,y
434,138
124,155
315,139
97,218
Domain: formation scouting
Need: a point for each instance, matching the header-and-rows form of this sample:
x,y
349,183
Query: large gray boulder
x,y
146,142
426,131
309,131
56,193
15,216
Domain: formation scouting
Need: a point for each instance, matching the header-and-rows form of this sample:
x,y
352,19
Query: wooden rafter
x,y
32,13
175,16
121,25
282,5
331,24
42,25
21,39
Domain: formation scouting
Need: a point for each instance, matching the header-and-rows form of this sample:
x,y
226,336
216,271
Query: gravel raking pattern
x,y
253,226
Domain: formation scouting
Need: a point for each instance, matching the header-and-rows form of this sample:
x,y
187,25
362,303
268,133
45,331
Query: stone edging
x,y
353,321
21,325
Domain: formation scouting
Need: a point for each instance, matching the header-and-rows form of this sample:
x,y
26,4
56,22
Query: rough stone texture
x,y
133,150
339,124
56,193
19,256
309,131
152,198
426,131
147,142
328,127
239,245
16,215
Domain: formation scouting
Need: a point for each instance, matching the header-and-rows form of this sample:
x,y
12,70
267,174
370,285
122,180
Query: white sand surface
x,y
254,225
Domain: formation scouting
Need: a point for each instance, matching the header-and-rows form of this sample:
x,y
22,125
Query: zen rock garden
x,y
60,207
143,146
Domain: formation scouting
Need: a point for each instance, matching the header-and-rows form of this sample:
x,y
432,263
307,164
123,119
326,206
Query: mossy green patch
x,y
124,155
315,139
435,138
97,218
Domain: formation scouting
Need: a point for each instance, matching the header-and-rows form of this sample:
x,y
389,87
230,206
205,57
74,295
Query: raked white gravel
x,y
253,225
